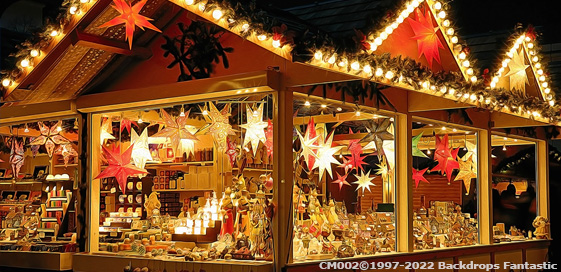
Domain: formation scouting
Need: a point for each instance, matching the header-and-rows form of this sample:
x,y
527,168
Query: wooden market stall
x,y
223,139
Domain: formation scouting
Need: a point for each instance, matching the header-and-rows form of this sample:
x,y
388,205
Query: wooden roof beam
x,y
80,38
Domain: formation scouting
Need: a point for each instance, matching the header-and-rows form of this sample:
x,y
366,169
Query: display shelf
x,y
45,230
68,165
183,190
150,165
254,169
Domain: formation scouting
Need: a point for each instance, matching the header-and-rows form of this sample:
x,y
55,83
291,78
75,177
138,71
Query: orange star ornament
x,y
130,16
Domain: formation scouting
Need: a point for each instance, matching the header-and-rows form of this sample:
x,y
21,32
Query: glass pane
x,y
199,183
343,199
444,193
514,188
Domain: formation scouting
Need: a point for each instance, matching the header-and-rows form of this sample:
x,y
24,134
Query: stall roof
x,y
71,56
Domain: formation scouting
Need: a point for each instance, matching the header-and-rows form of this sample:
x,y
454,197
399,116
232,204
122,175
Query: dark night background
x,y
494,20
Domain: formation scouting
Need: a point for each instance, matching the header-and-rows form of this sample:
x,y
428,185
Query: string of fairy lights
x,y
392,71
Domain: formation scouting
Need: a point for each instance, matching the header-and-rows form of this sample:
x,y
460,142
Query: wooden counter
x,y
95,262
36,260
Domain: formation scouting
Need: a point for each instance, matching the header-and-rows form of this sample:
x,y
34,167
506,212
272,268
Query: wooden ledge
x,y
54,261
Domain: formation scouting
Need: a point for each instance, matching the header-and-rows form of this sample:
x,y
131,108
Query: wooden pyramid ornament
x,y
521,69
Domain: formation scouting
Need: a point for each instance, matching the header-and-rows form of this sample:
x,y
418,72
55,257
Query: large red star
x,y
445,156
355,148
120,165
341,180
418,176
130,16
426,35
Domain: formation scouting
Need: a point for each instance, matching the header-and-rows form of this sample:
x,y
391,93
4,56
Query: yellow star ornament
x,y
364,181
325,156
254,128
466,172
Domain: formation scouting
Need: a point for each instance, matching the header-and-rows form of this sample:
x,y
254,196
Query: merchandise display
x,y
37,210
195,185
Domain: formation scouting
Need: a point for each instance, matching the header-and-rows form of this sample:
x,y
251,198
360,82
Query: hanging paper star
x,y
416,152
471,154
309,145
341,180
50,137
357,161
176,131
378,133
466,172
105,132
130,16
119,166
67,152
231,151
517,72
218,125
254,128
269,136
426,35
347,165
126,124
325,156
445,156
140,152
383,170
364,181
17,157
418,176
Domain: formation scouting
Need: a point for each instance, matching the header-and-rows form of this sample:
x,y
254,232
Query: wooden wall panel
x,y
438,189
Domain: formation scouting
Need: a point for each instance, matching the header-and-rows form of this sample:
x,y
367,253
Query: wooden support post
x,y
404,183
282,173
542,178
484,188
94,149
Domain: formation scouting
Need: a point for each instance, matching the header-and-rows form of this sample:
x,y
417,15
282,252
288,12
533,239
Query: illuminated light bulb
x,y
378,41
262,37
376,117
367,69
404,13
487,100
245,26
182,114
446,23
318,55
443,128
527,38
437,6
24,63
426,85
538,65
542,78
217,14
384,35
323,106
540,72
547,90
202,6
189,2
410,8
505,62
532,52
59,128
54,33
535,59
473,79
462,56
443,89
343,63
276,43
373,47
307,103
450,31
6,82
466,95
34,53
442,14
473,97
246,91
415,3
551,103
530,45
545,84
504,147
26,129
496,79
469,71
73,10
389,30
339,109
357,113
355,65
255,90
516,46
379,72
84,1
454,130
331,59
394,25
501,70
454,39
428,151
433,88
451,91
389,75
205,112
255,113
465,63
400,19
509,54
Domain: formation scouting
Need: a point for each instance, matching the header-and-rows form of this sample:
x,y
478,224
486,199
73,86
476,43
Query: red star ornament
x,y
418,176
347,164
120,165
355,148
50,137
130,16
126,124
341,180
445,156
426,35
269,136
